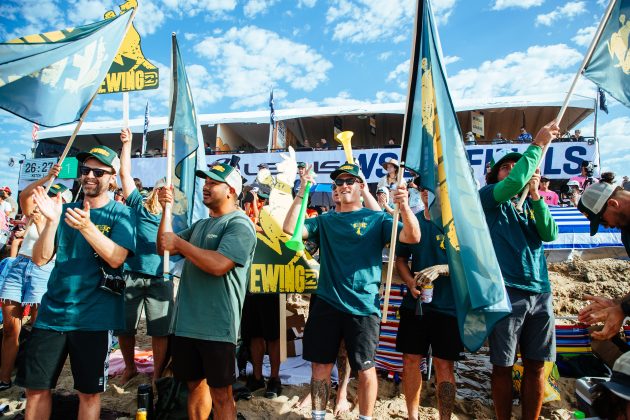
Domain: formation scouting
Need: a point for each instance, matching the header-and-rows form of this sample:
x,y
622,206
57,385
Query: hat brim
x,y
620,390
83,156
384,165
207,174
594,219
338,172
515,156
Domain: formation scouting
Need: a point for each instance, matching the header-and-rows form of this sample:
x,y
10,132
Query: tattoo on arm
x,y
320,391
446,399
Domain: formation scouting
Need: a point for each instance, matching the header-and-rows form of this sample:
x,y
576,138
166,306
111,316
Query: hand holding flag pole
x,y
168,209
558,119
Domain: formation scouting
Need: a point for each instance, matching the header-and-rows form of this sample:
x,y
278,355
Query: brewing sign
x,y
130,70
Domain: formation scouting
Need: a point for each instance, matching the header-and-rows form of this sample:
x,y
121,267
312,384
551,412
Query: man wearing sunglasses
x,y
76,316
518,239
350,241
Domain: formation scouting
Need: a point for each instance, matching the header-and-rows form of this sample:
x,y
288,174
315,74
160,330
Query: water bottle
x,y
427,293
145,401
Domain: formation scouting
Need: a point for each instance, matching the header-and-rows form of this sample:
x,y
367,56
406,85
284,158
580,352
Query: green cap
x,y
301,164
103,154
66,194
347,168
223,172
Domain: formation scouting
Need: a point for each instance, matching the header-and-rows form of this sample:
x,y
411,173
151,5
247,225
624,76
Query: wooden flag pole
x,y
168,209
587,58
392,248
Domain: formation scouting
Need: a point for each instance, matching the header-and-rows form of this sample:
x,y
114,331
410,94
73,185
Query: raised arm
x,y
545,224
292,215
410,233
165,230
50,208
368,199
125,162
26,195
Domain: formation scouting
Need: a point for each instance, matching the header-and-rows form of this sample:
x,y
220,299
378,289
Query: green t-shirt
x,y
209,307
146,259
429,252
73,300
518,237
351,258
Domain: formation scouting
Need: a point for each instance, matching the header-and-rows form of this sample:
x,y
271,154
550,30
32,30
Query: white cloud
x,y
442,10
538,70
568,11
523,4
307,3
344,98
151,18
384,56
450,59
254,7
248,61
400,74
613,145
584,36
193,7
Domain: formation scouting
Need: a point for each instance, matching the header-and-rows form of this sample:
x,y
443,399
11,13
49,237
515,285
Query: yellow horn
x,y
345,138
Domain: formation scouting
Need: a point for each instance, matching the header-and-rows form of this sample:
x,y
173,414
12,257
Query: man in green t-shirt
x,y
79,309
518,238
428,324
351,241
218,252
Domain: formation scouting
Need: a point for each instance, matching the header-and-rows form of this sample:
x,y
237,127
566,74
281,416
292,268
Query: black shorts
x,y
327,326
46,353
195,359
261,317
433,329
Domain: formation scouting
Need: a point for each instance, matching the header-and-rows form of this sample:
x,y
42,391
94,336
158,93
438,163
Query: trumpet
x,y
295,243
345,138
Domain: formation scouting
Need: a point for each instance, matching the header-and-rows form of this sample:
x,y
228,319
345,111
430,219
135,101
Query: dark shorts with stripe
x,y
46,353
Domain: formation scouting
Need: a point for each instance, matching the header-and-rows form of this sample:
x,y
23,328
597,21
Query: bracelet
x,y
299,196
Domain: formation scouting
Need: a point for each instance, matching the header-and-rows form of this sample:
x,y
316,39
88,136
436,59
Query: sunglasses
x,y
85,171
348,181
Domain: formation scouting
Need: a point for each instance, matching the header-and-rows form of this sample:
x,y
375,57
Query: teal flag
x,y
433,148
609,66
188,149
50,78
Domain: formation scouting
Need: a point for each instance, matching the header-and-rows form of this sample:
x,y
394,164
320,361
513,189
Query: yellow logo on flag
x,y
618,45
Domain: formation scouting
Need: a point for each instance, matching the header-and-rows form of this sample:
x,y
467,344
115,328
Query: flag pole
x,y
587,58
169,181
413,64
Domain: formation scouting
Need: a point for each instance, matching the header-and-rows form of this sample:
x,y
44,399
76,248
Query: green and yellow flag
x,y
433,148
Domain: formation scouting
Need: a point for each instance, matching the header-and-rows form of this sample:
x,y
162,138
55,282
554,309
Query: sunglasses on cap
x,y
348,181
85,171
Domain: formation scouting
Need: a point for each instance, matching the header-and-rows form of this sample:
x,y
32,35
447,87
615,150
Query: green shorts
x,y
155,295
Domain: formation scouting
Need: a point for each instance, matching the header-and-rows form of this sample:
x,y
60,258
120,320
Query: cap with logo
x,y
619,383
502,155
223,172
347,168
593,203
301,164
66,194
104,155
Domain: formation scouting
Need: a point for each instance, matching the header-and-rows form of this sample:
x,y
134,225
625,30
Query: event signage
x,y
563,161
477,123
34,169
130,70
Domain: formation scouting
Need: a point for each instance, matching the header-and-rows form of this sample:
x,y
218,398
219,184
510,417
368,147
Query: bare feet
x,y
305,402
128,375
342,406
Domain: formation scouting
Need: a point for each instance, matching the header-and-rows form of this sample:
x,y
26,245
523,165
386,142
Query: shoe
x,y
274,388
254,384
5,385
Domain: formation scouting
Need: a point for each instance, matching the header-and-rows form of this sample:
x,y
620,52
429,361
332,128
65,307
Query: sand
x,y
570,280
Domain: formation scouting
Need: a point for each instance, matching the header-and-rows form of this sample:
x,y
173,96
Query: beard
x,y
92,190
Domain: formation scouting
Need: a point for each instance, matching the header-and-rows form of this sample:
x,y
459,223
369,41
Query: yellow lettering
x,y
139,80
299,279
113,81
255,278
289,280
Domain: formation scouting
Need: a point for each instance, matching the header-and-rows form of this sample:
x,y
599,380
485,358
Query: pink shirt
x,y
550,197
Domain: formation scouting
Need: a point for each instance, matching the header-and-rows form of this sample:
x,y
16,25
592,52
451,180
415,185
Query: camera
x,y
112,283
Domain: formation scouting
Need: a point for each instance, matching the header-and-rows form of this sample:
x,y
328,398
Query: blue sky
x,y
327,52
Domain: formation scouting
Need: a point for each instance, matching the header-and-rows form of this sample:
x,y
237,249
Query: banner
x,y
130,70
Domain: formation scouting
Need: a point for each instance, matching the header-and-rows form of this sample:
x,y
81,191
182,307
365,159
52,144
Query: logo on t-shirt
x,y
104,229
358,226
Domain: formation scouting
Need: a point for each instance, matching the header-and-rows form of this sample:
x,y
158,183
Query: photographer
x,y
587,171
571,193
83,303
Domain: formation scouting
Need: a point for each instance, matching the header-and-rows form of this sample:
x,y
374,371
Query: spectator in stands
x,y
382,197
470,138
146,289
10,202
25,282
137,154
524,137
157,152
499,139
301,170
5,206
326,146
208,149
76,315
626,183
306,143
574,194
391,167
586,174
577,136
518,243
607,177
318,146
550,197
427,327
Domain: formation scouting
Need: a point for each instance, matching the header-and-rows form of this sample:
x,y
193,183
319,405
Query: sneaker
x,y
274,388
5,385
